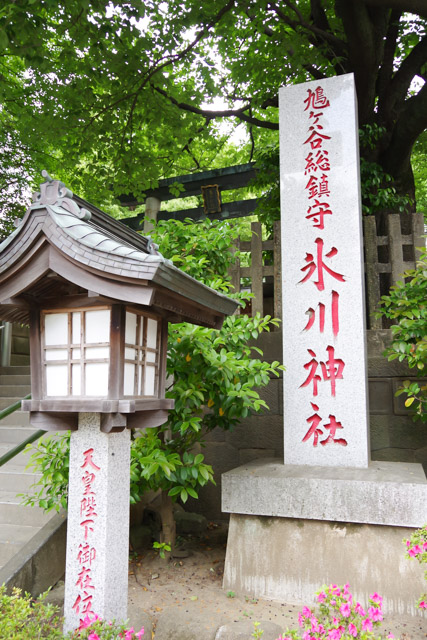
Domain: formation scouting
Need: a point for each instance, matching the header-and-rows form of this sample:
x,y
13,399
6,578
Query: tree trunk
x,y
168,534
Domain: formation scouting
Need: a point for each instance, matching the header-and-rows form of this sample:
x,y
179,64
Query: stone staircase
x,y
18,523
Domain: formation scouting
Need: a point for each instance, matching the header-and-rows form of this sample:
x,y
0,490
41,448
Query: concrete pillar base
x,y
289,559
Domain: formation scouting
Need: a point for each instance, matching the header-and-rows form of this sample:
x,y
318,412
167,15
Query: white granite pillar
x,y
96,580
324,350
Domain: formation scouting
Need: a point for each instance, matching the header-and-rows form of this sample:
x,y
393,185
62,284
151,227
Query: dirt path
x,y
183,599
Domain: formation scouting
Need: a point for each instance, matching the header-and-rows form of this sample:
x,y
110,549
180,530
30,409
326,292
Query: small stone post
x,y
96,580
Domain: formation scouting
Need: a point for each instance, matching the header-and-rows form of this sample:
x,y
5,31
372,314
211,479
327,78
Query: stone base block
x,y
289,559
386,493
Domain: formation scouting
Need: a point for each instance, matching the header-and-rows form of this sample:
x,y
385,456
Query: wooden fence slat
x,y
277,261
235,272
256,269
395,246
372,271
417,234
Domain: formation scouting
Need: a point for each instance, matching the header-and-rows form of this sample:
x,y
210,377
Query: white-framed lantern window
x,y
76,352
142,355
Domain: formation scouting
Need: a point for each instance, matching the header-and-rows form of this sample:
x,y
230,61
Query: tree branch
x,y
221,113
321,34
398,87
410,6
319,16
159,65
410,124
385,73
365,42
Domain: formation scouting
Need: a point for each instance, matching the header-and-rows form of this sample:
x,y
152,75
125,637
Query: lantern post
x,y
98,298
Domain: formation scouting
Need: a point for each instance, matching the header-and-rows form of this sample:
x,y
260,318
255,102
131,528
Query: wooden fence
x,y
386,258
257,272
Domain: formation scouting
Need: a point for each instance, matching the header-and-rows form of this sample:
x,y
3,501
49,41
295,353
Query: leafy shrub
x,y
22,617
406,305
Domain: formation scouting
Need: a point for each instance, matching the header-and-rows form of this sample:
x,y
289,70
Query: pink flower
x,y
423,604
334,634
306,636
301,621
375,597
345,610
391,636
367,625
375,614
335,621
141,633
359,609
85,623
306,612
314,624
352,629
129,633
93,636
414,551
335,590
321,596
346,588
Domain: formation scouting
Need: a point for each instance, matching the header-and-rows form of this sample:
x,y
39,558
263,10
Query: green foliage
x,y
377,186
378,190
406,305
114,97
50,457
22,617
419,166
163,548
214,379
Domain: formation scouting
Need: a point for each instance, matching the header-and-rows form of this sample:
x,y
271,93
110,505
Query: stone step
x,y
14,390
16,479
15,434
7,551
11,511
23,378
20,330
17,360
16,534
6,402
15,370
17,418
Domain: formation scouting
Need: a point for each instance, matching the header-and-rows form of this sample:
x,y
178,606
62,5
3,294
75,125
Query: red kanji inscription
x,y
332,370
319,266
321,314
316,99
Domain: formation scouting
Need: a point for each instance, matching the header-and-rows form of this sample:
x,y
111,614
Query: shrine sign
x,y
325,384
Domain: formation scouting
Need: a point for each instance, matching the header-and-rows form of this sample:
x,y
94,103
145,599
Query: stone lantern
x,y
98,298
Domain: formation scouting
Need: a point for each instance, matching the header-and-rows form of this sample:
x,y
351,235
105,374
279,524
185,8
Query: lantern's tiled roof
x,y
64,239
95,237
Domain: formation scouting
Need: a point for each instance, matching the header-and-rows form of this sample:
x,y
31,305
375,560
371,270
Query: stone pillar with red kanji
x,y
96,579
325,382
